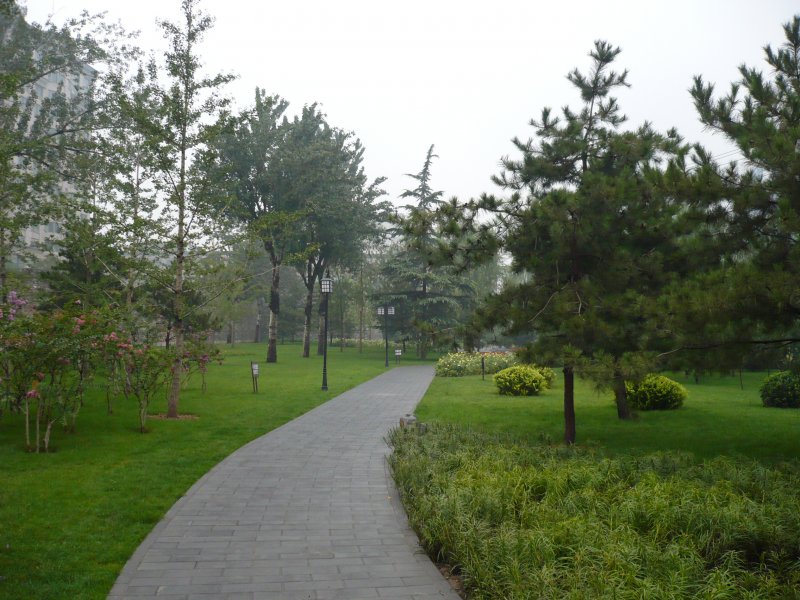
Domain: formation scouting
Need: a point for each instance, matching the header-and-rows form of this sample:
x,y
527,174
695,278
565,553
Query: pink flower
x,y
32,394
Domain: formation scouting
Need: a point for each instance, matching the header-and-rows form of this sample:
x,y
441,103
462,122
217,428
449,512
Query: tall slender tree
x,y
178,133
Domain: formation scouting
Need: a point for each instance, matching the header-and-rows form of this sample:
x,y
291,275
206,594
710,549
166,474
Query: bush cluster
x,y
458,364
656,392
49,360
525,522
781,390
353,343
521,380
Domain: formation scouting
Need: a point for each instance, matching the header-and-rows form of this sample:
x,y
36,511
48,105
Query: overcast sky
x,y
466,76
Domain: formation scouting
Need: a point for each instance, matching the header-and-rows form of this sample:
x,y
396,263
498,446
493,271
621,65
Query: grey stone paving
x,y
307,512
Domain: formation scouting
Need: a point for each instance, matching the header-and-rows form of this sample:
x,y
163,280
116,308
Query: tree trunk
x,y
321,332
569,405
257,336
341,316
177,326
274,311
177,368
4,251
621,397
361,310
307,322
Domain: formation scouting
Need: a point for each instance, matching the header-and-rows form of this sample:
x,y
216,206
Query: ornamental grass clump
x,y
520,380
522,522
781,390
655,392
458,364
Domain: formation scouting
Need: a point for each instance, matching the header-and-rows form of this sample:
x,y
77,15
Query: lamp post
x,y
326,287
385,311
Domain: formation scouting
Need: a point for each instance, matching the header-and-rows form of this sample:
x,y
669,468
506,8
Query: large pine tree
x,y
745,216
590,233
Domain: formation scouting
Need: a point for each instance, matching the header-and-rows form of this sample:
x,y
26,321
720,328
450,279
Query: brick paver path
x,y
307,511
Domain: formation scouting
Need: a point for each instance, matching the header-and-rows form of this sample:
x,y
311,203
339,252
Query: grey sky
x,y
466,76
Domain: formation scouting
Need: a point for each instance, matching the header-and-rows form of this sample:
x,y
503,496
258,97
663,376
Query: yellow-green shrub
x,y
781,390
655,392
520,380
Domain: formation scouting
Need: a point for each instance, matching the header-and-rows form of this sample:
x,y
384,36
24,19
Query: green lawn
x,y
718,418
69,520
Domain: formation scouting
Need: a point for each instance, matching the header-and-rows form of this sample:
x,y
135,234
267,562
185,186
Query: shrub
x,y
656,392
781,390
548,374
458,364
520,380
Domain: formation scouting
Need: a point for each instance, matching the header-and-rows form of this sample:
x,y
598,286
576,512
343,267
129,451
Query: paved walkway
x,y
307,511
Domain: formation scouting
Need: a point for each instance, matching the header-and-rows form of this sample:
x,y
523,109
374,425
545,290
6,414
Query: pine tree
x,y
590,233
746,215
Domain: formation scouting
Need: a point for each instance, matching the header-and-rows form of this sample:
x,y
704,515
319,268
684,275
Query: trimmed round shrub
x,y
781,390
656,392
520,380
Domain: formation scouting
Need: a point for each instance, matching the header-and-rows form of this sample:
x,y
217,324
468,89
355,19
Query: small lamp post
x,y
385,311
326,287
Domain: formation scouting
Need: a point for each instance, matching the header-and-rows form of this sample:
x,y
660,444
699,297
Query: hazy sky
x,y
466,76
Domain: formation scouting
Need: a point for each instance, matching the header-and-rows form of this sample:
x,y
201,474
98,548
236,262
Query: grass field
x,y
718,418
69,520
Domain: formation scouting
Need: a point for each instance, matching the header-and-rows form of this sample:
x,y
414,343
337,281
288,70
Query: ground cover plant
x,y
70,519
696,502
526,521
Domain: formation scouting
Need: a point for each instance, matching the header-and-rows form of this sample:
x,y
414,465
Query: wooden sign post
x,y
397,354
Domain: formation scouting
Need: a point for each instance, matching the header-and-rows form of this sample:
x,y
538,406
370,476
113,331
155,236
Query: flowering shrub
x,y
458,364
520,380
656,392
47,359
146,370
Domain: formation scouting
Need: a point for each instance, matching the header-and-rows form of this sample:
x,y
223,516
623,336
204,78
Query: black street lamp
x,y
385,311
326,287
